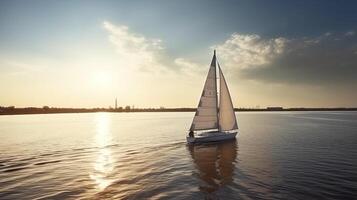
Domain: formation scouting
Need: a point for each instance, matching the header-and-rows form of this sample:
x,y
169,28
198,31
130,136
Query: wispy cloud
x,y
135,50
141,53
350,33
16,66
189,67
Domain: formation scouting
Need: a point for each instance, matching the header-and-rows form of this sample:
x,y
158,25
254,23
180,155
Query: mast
x,y
214,55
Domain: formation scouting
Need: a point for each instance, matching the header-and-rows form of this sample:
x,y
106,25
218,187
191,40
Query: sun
x,y
101,79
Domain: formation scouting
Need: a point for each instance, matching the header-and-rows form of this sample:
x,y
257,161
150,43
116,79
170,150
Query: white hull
x,y
211,137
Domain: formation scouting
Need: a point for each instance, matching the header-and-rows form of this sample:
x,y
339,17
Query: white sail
x,y
206,116
227,118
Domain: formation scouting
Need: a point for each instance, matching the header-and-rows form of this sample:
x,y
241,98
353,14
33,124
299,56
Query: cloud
x,y
327,34
250,51
350,33
135,50
189,67
327,58
310,60
16,66
144,54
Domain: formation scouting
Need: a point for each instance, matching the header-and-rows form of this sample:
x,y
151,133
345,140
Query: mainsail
x,y
206,116
227,117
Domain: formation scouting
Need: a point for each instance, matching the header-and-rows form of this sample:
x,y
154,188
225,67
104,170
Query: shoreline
x,y
27,111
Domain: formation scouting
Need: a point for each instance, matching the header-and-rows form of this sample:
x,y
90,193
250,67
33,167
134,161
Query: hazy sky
x,y
157,53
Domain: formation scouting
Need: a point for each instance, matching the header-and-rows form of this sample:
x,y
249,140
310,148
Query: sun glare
x,y
102,79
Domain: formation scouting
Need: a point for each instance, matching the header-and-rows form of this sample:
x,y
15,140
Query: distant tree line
x,y
12,110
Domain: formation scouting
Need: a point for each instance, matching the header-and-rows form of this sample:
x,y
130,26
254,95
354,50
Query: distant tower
x,y
116,103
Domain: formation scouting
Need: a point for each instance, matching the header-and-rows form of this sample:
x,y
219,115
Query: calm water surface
x,y
278,155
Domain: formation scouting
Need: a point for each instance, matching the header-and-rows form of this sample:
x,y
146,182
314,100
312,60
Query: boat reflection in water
x,y
215,164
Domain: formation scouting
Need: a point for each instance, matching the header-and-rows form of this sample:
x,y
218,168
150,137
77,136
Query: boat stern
x,y
190,139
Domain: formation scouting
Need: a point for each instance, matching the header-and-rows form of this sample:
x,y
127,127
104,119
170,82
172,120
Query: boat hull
x,y
211,137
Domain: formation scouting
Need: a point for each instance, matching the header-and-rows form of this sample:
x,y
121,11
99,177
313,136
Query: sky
x,y
157,53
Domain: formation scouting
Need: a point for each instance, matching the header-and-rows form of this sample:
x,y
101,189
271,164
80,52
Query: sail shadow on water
x,y
215,164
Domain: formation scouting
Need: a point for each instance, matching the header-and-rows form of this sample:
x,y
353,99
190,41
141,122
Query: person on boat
x,y
191,134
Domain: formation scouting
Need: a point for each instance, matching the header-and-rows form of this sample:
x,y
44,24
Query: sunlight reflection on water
x,y
278,155
103,165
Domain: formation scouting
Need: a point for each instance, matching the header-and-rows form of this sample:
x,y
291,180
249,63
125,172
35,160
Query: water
x,y
279,155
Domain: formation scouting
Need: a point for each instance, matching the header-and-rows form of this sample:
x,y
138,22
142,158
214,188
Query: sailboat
x,y
214,119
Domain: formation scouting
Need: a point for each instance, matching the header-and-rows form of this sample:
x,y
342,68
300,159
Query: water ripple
x,y
108,156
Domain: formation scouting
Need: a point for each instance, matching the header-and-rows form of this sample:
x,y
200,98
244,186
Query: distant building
x,y
275,108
